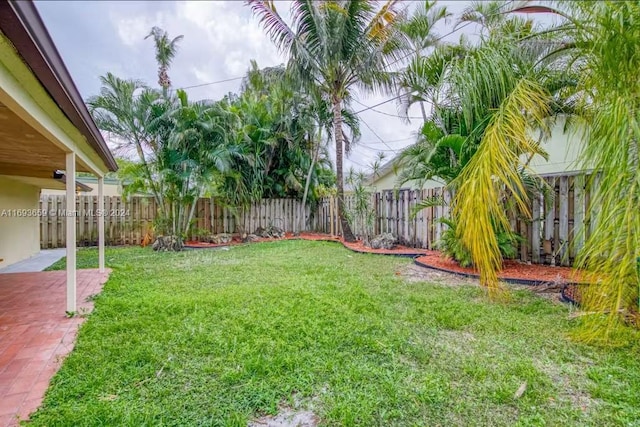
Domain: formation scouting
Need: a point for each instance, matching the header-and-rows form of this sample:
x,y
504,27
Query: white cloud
x,y
202,75
232,37
133,30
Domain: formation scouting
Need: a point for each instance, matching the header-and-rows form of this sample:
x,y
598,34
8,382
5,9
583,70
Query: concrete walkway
x,y
38,262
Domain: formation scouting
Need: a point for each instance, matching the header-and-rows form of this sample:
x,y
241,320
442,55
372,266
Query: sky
x,y
220,39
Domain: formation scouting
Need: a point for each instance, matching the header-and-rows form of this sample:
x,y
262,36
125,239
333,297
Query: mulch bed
x,y
399,250
513,271
236,240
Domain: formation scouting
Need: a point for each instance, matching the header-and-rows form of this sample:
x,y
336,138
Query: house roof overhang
x,y
57,181
22,26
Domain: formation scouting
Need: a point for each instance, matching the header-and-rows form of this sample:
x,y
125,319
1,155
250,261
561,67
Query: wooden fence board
x,y
563,223
535,230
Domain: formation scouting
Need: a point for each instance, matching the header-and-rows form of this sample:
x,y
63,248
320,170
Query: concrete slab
x,y
38,262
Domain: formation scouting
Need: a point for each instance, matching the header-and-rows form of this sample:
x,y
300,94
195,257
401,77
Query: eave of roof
x,y
79,185
20,22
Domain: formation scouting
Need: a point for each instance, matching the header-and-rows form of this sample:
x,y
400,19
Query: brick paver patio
x,y
35,334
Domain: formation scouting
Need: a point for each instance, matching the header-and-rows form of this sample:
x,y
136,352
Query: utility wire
x,y
212,83
376,135
394,62
378,142
388,114
357,163
378,104
378,149
455,30
435,41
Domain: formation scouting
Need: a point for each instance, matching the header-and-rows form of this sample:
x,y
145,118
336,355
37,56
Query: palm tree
x,y
124,109
316,111
165,52
488,14
500,88
337,46
421,38
195,154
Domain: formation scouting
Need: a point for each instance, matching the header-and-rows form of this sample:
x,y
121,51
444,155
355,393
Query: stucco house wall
x,y
19,235
563,148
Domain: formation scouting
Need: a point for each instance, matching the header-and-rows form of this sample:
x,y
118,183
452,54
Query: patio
x,y
35,334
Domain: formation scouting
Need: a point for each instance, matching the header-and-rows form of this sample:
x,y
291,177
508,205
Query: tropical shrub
x,y
452,246
360,213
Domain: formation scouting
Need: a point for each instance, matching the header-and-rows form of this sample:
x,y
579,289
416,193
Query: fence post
x,y
563,232
535,229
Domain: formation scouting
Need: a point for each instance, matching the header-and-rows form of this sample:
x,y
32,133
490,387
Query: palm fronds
x,y
494,166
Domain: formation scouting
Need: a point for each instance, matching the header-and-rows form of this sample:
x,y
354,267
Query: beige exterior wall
x,y
563,149
19,236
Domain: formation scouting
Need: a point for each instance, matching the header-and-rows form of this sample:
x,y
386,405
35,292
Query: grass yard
x,y
216,337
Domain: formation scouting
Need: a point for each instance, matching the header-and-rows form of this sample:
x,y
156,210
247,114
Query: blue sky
x,y
220,38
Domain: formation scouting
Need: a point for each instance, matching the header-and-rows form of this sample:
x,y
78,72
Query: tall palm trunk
x,y
347,234
192,212
301,217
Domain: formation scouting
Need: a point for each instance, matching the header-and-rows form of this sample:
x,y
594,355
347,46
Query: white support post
x,y
70,174
101,223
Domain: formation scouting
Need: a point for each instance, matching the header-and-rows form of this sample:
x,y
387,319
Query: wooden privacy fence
x,y
560,219
128,221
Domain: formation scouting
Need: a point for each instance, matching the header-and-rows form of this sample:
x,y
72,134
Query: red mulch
x,y
319,236
194,244
511,269
398,250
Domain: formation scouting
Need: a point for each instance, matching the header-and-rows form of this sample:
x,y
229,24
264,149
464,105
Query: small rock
x,y
383,241
248,238
225,238
168,243
220,239
270,232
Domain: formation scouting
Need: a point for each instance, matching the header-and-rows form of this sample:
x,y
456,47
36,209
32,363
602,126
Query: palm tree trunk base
x,y
347,234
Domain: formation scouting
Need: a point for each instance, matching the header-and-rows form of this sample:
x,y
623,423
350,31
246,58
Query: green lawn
x,y
220,337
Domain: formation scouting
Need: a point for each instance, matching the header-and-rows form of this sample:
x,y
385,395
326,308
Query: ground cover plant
x,y
220,337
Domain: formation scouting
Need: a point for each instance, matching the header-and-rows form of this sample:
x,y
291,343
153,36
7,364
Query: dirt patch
x,y
414,273
571,383
287,417
550,292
